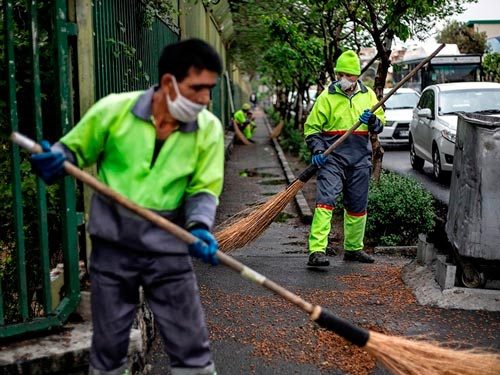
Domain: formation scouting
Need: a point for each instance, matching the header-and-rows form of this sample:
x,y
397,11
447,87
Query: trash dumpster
x,y
473,225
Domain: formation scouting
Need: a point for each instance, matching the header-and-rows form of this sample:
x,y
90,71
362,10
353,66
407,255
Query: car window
x,y
427,101
477,100
401,101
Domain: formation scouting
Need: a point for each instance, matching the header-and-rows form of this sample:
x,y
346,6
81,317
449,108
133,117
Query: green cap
x,y
348,63
245,106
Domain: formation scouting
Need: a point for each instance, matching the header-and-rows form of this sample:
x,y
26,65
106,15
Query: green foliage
x,y
399,209
163,9
467,40
292,141
491,67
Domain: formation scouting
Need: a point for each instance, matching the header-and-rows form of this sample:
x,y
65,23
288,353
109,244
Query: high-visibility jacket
x,y
333,114
240,118
182,184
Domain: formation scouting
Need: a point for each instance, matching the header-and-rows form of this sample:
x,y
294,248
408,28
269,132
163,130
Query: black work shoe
x,y
358,256
318,259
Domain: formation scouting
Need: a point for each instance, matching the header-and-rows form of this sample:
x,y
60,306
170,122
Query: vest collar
x,y
142,109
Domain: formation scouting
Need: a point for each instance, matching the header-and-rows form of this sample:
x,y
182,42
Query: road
x,y
398,160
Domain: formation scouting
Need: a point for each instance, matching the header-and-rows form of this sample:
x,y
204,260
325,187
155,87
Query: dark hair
x,y
179,57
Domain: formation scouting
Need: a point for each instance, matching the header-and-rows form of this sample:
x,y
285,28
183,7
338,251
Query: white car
x,y
398,114
434,124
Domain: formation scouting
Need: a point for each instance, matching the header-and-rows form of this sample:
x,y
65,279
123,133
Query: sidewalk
x,y
255,332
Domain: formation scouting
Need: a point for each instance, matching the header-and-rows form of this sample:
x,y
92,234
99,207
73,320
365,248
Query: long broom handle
x,y
311,169
165,224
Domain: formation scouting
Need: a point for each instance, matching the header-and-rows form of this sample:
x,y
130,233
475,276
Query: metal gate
x,y
128,44
38,223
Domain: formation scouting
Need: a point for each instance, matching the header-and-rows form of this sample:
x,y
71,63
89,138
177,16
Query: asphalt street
x,y
253,331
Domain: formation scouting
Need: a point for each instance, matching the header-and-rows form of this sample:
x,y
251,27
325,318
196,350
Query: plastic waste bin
x,y
473,224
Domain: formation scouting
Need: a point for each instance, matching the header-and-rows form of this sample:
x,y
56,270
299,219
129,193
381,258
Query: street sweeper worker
x,y
243,118
162,149
348,168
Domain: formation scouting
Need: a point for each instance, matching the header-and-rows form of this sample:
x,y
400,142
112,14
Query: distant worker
x,y
348,168
253,100
244,120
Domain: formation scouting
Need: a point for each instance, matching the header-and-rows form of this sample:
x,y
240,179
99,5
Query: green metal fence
x,y
128,44
38,224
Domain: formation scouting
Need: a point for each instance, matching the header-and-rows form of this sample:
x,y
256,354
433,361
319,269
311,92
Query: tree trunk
x,y
383,67
377,157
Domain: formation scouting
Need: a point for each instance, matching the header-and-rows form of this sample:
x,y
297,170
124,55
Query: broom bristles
x,y
277,130
414,357
256,222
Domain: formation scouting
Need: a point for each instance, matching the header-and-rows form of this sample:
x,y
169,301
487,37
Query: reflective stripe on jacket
x,y
332,115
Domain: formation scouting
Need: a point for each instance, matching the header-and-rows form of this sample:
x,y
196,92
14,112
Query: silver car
x,y
434,123
398,114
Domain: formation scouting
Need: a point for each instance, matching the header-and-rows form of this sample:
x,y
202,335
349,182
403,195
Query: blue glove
x,y
367,117
318,159
205,247
49,165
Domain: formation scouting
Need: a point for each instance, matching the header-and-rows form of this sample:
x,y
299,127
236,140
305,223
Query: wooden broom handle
x,y
165,224
384,99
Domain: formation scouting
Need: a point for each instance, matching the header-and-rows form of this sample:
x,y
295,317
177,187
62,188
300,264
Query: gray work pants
x,y
171,291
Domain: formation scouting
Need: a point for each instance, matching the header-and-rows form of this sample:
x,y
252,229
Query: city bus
x,y
441,69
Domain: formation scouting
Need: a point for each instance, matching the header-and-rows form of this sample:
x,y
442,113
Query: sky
x,y
482,10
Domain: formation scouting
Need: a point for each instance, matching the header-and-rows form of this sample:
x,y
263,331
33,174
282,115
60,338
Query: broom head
x,y
416,357
253,224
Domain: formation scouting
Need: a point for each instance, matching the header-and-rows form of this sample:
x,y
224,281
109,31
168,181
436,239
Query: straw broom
x,y
243,231
399,355
277,130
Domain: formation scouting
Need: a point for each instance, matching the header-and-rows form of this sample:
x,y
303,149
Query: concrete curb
x,y
407,251
64,352
305,212
422,280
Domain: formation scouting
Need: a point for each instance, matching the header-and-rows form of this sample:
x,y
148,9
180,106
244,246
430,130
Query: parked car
x,y
434,123
398,114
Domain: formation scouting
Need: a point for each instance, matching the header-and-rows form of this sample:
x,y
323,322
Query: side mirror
x,y
425,113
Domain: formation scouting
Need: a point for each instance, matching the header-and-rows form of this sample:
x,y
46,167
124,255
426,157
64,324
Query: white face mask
x,y
345,84
183,109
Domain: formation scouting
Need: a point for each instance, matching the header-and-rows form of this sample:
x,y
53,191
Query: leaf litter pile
x,y
376,299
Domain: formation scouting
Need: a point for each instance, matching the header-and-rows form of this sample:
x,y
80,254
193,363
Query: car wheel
x,y
416,162
437,169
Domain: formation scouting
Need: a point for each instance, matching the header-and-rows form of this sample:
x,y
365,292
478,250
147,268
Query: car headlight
x,y
449,135
389,123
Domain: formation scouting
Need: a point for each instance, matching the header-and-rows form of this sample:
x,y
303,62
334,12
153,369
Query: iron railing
x,y
33,240
128,43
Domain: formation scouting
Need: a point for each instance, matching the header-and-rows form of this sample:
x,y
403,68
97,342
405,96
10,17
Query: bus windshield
x,y
452,73
441,69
